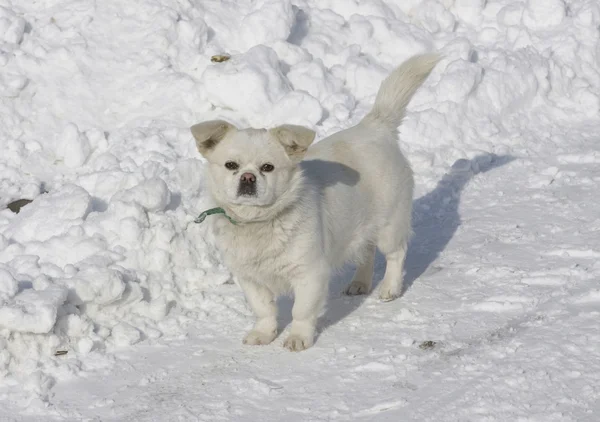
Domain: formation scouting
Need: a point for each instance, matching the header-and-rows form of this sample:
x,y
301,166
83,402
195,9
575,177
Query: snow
x,y
500,320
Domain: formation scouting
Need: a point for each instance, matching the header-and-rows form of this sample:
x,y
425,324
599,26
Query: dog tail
x,y
398,88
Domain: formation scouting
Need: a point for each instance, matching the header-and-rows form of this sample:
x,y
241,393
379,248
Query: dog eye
x,y
232,165
266,168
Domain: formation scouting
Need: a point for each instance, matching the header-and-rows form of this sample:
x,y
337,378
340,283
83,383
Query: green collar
x,y
212,211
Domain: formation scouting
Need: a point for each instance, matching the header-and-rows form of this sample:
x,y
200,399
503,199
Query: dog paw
x,y
257,338
296,343
357,289
387,295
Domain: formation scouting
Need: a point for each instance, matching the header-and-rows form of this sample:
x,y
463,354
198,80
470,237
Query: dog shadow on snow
x,y
435,220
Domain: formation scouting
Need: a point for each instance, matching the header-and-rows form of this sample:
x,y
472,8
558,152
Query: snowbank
x,y
96,99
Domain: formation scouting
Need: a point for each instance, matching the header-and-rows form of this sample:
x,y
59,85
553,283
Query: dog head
x,y
251,168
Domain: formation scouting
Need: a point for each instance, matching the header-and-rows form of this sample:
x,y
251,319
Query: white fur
x,y
351,193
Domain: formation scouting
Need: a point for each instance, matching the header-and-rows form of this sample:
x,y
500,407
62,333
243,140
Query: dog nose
x,y
248,178
247,186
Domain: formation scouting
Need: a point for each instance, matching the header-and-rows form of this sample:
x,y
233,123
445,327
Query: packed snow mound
x,y
255,82
96,99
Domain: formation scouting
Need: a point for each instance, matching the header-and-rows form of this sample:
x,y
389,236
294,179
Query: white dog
x,y
295,214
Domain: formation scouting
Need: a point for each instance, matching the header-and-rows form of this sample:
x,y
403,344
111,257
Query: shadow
x,y
329,173
210,35
299,29
175,202
436,217
473,56
284,318
98,205
24,285
435,220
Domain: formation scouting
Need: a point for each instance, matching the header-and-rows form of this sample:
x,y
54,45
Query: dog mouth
x,y
246,189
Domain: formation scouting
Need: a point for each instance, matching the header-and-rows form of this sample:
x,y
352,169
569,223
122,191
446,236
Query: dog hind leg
x,y
363,277
392,283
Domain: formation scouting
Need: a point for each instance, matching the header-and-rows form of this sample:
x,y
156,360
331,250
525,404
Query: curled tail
x,y
398,88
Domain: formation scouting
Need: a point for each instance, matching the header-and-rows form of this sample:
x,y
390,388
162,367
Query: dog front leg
x,y
310,297
262,301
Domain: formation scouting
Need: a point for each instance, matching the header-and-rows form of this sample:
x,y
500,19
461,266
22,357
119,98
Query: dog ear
x,y
209,134
295,139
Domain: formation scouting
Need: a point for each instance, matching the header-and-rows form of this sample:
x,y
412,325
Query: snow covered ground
x,y
502,317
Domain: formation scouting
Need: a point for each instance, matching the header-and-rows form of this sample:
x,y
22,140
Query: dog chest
x,y
262,254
